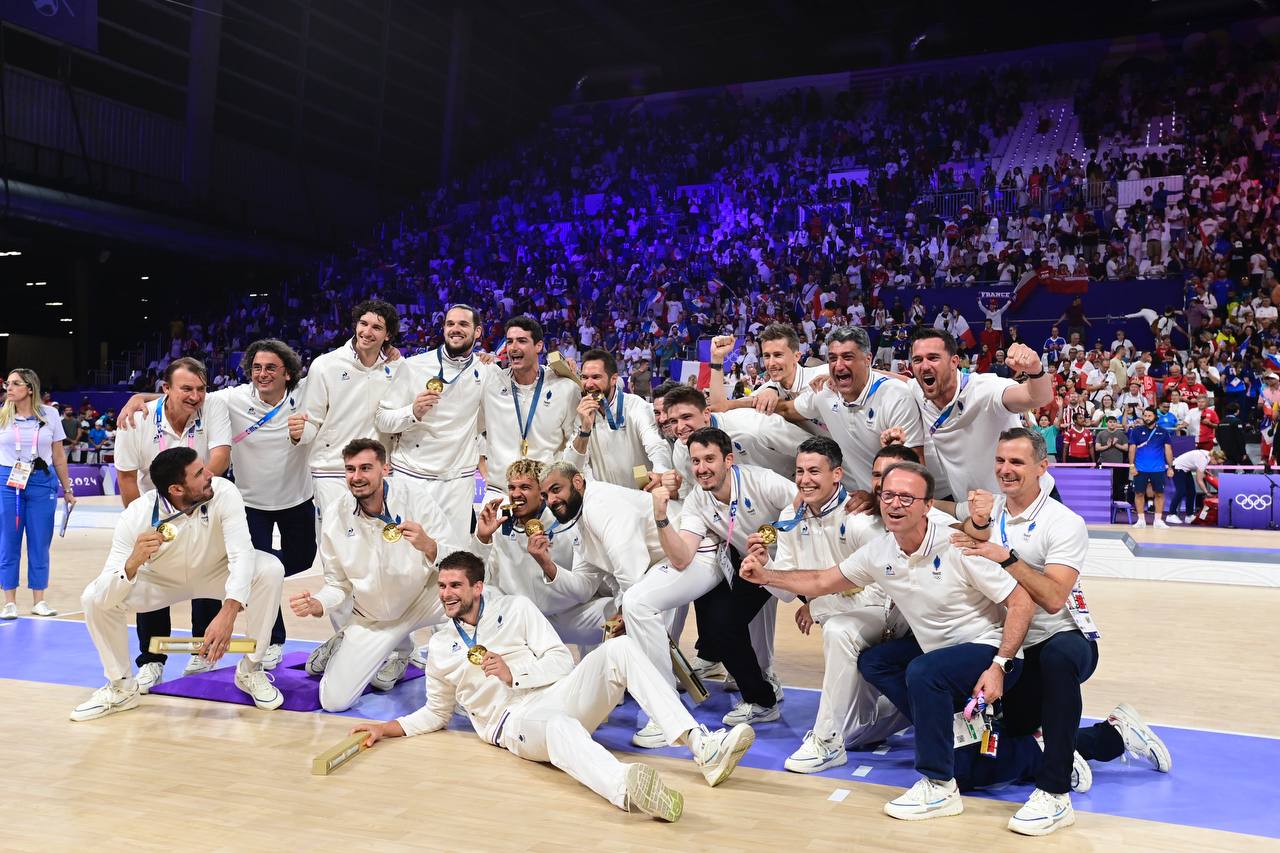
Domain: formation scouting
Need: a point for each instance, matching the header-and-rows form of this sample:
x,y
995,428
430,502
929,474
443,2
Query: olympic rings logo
x,y
1253,501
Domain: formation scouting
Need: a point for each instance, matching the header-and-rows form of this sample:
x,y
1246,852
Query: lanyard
x,y
871,392
262,421
946,413
191,430
525,424
470,641
17,439
157,521
461,370
385,516
616,421
733,504
785,524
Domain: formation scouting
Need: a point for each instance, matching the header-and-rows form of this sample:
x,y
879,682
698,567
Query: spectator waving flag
x,y
1273,359
964,335
696,373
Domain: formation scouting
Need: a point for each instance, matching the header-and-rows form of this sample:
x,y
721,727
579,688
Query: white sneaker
x,y
1172,519
149,675
113,698
419,657
272,656
649,737
705,669
1043,813
1081,774
647,792
9,611
775,683
42,608
391,671
196,665
259,684
926,799
750,713
816,754
730,684
1141,522
1139,739
1159,522
319,657
718,752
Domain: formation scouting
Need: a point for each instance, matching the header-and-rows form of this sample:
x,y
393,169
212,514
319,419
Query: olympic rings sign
x,y
1253,501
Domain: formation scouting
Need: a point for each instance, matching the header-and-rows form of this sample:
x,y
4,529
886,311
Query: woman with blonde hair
x,y
31,439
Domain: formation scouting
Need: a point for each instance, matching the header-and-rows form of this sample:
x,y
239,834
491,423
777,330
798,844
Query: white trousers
x,y
582,624
455,498
556,724
327,490
108,600
366,643
850,708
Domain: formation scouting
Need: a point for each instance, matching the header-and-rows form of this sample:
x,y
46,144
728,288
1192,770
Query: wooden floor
x,y
177,773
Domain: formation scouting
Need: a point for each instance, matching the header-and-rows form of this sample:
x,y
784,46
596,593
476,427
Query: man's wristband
x,y
717,365
1036,375
977,526
582,434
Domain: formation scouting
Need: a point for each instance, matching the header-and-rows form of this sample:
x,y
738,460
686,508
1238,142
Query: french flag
x,y
684,371
655,301
964,335
1273,359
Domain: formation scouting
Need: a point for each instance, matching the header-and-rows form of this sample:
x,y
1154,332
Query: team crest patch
x,y
888,571
937,568
351,531
455,647
252,410
345,376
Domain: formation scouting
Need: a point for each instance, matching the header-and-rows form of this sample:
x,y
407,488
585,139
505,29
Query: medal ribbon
x,y
385,516
457,626
191,430
262,421
946,413
871,392
509,526
440,356
616,422
156,520
525,424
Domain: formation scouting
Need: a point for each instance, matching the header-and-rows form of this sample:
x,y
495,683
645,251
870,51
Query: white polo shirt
x,y
271,471
342,397
618,444
965,439
856,425
1043,533
765,441
17,438
800,384
445,444
383,577
554,421
947,598
758,496
138,447
212,540
511,571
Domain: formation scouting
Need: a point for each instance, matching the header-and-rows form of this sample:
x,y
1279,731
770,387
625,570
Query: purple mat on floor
x,y
301,691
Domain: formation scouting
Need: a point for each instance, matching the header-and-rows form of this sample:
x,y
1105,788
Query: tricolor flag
x,y
684,371
1273,359
964,335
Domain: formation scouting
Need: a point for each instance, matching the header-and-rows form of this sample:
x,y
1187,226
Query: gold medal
x,y
476,654
596,395
435,384
391,533
768,534
167,532
533,527
524,449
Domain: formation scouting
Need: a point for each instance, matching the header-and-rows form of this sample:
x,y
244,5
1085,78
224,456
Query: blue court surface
x,y
1219,781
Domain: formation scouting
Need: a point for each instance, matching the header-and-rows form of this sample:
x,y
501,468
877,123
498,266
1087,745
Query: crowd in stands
x,y
645,231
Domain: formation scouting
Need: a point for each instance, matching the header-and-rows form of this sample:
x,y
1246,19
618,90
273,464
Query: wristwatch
x,y
1004,663
1012,558
662,522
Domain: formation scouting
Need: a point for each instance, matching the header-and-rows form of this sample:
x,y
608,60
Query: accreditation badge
x,y
19,476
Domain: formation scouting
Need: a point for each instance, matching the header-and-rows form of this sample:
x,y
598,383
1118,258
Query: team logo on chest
x,y
888,571
937,568
345,376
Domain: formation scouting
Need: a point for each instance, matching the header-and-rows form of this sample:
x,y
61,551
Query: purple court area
x,y
1219,781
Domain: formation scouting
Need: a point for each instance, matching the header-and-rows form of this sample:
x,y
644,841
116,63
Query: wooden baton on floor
x,y
191,645
339,754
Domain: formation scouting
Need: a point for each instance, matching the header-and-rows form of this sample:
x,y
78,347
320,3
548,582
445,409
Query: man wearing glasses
x,y
967,617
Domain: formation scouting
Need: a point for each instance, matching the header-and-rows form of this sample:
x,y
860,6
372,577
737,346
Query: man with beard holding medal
x,y
529,411
616,432
520,559
857,405
731,503
187,539
344,387
433,408
505,665
378,556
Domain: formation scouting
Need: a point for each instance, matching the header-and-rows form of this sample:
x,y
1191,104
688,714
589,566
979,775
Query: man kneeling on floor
x,y
187,539
504,663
